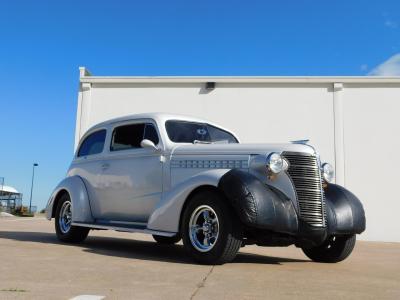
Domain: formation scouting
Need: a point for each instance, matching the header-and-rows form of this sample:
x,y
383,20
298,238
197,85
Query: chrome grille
x,y
306,176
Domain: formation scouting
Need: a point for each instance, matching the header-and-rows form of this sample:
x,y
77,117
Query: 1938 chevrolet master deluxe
x,y
184,178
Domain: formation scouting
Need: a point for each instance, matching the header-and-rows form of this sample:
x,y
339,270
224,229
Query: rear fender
x,y
76,189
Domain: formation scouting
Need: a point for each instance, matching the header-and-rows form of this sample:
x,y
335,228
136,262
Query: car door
x,y
131,179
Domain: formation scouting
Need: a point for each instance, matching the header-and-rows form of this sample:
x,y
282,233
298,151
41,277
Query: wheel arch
x,y
75,187
199,189
167,214
57,198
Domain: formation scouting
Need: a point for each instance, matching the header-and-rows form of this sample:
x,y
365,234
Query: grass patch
x,y
15,290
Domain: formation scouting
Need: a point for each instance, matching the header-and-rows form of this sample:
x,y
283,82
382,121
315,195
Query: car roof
x,y
159,117
156,116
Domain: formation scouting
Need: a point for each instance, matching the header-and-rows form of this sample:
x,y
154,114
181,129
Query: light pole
x,y
2,183
33,176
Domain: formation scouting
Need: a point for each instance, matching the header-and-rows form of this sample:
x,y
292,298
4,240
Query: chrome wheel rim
x,y
203,228
65,218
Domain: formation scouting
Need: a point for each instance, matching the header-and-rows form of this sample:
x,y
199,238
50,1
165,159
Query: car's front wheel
x,y
210,231
334,249
65,231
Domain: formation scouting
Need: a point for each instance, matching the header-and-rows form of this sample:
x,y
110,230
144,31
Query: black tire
x,y
229,240
333,250
167,240
75,234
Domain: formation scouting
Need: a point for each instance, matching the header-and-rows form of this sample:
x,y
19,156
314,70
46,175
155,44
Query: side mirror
x,y
148,144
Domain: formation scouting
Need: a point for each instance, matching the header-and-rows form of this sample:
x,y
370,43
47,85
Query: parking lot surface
x,y
115,265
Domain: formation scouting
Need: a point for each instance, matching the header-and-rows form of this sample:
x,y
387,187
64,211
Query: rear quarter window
x,y
93,144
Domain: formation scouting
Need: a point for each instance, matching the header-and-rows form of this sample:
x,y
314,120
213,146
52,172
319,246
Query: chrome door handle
x,y
105,166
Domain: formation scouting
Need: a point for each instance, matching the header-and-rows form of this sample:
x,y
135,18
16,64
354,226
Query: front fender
x,y
257,204
76,189
166,216
345,213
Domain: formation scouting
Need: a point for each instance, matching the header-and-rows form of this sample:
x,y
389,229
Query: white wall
x,y
280,112
372,164
255,112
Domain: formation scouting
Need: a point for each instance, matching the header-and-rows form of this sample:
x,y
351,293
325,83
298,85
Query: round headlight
x,y
327,172
275,163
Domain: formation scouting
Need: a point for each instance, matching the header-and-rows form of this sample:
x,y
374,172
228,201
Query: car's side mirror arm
x,y
149,145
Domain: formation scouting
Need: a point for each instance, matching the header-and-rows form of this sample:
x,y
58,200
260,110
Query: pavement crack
x,y
202,283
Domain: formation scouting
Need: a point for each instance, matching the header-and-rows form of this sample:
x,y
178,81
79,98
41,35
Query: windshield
x,y
191,132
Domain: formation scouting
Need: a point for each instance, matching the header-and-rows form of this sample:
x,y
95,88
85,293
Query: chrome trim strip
x,y
124,229
209,164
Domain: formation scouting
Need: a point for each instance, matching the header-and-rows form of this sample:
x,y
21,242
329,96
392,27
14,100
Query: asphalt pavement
x,y
115,265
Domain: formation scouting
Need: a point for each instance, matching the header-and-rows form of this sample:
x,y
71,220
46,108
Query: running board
x,y
139,229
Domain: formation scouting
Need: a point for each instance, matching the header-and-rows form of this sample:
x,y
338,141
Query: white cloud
x,y
390,67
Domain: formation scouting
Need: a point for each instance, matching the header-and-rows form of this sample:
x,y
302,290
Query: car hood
x,y
198,149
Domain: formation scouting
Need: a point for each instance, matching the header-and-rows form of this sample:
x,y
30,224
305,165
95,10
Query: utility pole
x,y
33,176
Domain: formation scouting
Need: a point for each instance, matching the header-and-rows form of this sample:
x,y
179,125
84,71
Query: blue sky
x,y
42,44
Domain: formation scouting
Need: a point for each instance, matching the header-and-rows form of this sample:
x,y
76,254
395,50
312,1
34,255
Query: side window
x,y
150,133
93,144
127,137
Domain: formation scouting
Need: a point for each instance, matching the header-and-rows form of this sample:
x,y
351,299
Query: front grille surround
x,y
305,174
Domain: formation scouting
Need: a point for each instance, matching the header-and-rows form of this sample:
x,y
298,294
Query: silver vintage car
x,y
179,177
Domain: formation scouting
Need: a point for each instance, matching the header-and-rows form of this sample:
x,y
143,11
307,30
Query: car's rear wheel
x,y
334,249
65,231
167,240
210,231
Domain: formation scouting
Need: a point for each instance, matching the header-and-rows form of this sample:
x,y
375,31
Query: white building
x,y
354,122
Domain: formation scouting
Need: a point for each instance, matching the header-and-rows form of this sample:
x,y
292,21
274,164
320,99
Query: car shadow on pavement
x,y
135,249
